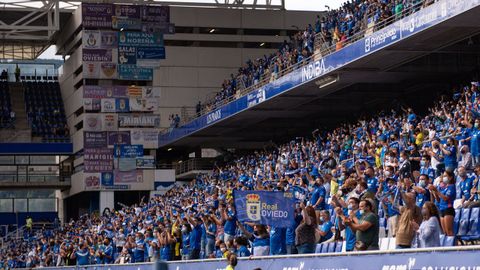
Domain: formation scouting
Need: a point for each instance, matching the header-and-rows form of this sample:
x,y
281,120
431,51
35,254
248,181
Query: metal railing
x,y
319,52
194,164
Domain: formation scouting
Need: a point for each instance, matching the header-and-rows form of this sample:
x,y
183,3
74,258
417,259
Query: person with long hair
x,y
305,232
444,195
429,231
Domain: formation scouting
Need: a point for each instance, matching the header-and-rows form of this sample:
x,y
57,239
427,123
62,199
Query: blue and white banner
x,y
150,56
406,27
133,72
265,207
128,151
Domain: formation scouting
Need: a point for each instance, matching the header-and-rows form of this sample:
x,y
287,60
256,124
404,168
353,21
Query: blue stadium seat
x,y
449,241
463,225
318,248
473,232
442,239
331,247
339,246
456,220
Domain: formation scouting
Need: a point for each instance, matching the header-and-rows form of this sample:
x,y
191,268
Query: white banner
x,y
143,104
139,120
108,105
146,137
100,122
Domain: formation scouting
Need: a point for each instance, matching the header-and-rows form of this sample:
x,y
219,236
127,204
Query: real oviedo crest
x,y
253,207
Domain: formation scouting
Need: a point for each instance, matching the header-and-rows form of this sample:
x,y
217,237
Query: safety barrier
x,y
464,258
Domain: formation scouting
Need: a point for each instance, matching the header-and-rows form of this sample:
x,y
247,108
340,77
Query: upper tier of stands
x,y
45,110
5,105
332,32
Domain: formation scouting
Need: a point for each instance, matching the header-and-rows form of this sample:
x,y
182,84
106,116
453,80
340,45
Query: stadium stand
x,y
5,105
330,33
45,111
331,166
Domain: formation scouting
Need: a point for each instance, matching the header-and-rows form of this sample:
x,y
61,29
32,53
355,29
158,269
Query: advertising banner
x,y
120,91
265,207
143,104
119,137
135,176
92,181
95,91
107,179
127,164
110,122
128,11
92,104
127,55
122,105
163,28
145,162
126,23
97,55
139,120
100,122
98,159
157,14
93,122
146,137
97,15
94,139
150,92
134,73
140,39
128,151
150,57
99,70
108,105
95,39
135,91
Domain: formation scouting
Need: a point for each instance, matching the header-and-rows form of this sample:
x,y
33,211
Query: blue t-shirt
x,y
212,228
185,243
290,232
165,253
451,159
231,225
277,241
350,236
243,252
450,192
318,193
326,227
196,237
372,183
464,187
83,257
139,251
421,198
475,142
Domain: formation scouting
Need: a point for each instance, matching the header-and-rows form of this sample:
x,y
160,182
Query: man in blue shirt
x,y
425,167
277,241
195,238
317,201
422,193
139,251
325,226
290,233
350,212
82,254
230,226
371,180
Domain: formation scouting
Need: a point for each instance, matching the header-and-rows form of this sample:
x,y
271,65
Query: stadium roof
x,y
28,28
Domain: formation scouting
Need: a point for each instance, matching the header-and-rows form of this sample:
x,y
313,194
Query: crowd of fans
x,y
415,170
333,29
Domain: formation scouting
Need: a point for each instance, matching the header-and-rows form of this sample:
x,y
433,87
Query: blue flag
x,y
265,207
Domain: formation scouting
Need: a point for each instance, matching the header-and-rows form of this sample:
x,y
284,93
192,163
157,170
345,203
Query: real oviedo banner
x,y
265,207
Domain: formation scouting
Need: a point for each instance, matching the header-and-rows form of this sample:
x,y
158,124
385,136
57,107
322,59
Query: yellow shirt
x,y
378,161
333,187
229,267
419,139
